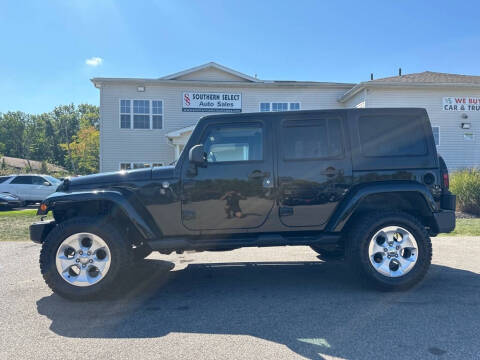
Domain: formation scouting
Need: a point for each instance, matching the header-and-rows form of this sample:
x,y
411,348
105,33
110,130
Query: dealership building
x,y
147,122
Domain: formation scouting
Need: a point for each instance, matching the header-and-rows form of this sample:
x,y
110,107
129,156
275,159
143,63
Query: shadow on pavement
x,y
314,308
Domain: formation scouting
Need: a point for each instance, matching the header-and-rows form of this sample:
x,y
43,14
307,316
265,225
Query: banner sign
x,y
211,102
455,103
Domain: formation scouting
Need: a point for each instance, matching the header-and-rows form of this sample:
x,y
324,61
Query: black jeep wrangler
x,y
366,185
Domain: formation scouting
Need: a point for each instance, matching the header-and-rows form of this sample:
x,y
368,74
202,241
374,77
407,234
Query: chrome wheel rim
x,y
393,251
83,259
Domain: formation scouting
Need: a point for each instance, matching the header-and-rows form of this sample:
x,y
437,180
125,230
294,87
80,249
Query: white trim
x,y
150,113
210,65
279,102
180,132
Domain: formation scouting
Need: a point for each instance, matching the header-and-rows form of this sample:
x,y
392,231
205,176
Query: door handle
x,y
330,171
257,174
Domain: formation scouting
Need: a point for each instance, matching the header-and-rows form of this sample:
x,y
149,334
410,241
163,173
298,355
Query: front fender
x,y
135,213
347,207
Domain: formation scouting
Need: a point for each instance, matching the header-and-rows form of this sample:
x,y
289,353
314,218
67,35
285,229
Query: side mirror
x,y
46,183
197,156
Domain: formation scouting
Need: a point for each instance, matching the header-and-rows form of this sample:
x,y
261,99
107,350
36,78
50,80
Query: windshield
x,y
53,180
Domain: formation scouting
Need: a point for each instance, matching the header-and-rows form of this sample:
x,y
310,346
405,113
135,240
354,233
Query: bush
x,y
466,185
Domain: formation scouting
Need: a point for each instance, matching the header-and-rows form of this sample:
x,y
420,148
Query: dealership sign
x,y
211,102
455,103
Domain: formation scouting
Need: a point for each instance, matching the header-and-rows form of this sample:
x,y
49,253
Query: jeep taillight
x,y
446,181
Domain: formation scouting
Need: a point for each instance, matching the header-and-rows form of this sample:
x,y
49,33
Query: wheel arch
x,y
412,198
122,209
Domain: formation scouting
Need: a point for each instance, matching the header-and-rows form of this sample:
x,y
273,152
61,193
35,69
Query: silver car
x,y
30,188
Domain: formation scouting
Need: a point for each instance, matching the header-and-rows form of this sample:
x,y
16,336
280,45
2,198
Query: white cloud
x,y
94,61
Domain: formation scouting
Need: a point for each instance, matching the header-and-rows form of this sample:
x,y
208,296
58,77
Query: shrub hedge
x,y
466,185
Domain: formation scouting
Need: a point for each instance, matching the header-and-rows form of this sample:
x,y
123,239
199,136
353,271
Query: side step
x,y
219,243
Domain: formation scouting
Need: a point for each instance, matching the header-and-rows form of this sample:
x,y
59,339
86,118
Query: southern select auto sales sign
x,y
461,103
211,102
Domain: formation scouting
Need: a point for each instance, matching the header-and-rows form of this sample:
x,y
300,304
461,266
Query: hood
x,y
107,178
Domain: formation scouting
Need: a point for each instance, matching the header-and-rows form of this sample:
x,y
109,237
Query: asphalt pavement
x,y
270,303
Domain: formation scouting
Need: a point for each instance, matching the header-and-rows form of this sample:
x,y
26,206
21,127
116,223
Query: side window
x,y
225,143
389,136
22,180
312,139
37,180
4,178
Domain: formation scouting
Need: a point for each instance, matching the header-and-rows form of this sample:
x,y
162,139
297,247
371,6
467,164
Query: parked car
x,y
9,201
30,188
362,184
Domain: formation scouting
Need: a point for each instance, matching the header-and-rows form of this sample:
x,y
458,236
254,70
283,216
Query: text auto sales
x,y
212,102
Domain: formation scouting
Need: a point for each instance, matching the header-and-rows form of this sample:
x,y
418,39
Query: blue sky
x,y
45,44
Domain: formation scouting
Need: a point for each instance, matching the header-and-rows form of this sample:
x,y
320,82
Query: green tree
x,y
84,150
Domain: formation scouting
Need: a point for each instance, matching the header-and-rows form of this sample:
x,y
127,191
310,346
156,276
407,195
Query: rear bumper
x,y
40,230
445,220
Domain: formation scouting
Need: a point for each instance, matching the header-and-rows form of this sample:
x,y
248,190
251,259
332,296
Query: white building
x,y
146,122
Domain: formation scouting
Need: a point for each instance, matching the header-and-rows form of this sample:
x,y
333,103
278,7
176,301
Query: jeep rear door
x,y
235,189
314,167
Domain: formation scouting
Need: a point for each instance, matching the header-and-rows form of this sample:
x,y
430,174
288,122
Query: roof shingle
x,y
430,77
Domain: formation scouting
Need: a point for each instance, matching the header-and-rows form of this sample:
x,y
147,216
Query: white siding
x,y
457,152
125,145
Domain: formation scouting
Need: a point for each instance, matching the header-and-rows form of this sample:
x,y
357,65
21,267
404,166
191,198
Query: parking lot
x,y
266,303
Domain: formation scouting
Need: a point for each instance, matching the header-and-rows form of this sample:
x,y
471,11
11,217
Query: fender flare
x,y
134,212
353,199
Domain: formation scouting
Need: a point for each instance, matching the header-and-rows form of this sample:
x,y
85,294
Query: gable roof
x,y
430,77
210,65
426,78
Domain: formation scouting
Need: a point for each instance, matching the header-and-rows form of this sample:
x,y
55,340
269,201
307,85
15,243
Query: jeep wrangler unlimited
x,y
366,185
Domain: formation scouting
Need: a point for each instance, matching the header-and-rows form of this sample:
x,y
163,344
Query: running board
x,y
218,243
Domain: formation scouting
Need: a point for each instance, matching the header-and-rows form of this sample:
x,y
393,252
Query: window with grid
x,y
157,114
125,115
279,106
141,114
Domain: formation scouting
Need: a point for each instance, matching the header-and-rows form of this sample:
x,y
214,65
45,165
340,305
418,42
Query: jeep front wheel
x,y
83,258
391,250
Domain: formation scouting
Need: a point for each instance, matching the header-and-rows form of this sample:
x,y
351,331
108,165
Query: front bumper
x,y
39,230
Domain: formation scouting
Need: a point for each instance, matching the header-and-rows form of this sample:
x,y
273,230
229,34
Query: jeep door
x,y
314,167
235,188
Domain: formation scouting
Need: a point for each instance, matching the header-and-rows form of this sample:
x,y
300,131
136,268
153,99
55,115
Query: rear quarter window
x,y
4,178
391,136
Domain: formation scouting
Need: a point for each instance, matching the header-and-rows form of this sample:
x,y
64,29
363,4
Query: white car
x,y
30,188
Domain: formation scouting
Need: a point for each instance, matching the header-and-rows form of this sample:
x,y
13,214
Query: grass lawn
x,y
14,225
466,227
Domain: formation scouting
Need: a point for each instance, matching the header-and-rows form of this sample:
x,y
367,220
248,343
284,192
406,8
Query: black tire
x,y
120,250
328,255
362,231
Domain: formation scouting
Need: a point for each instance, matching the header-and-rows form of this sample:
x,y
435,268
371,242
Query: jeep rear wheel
x,y
83,258
391,250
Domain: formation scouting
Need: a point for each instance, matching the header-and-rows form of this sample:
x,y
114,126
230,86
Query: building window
x,y
294,106
279,106
436,134
141,114
157,114
146,114
138,165
125,116
264,107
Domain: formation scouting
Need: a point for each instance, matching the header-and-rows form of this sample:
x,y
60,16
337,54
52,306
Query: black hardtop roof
x,y
305,112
